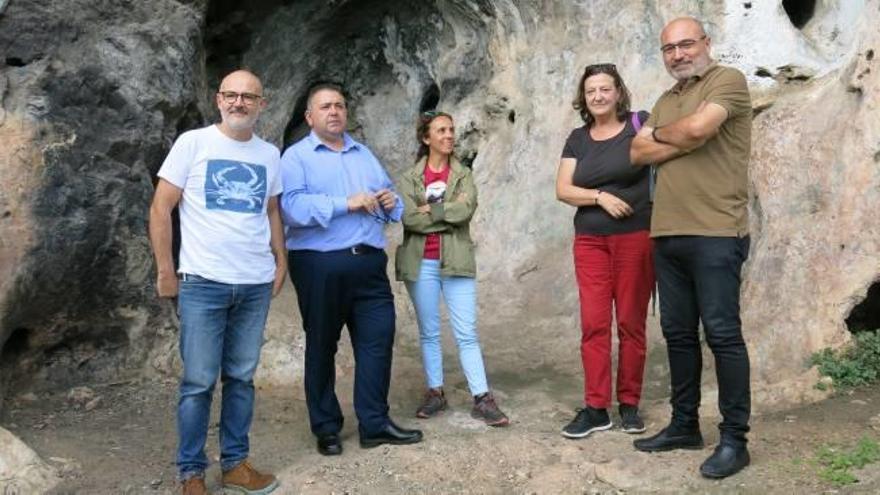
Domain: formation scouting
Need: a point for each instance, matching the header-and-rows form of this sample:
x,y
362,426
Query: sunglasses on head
x,y
596,68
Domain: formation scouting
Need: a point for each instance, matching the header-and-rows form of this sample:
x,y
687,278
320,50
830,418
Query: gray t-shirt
x,y
605,165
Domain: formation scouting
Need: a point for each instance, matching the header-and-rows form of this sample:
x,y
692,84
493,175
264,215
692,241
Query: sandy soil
x,y
120,438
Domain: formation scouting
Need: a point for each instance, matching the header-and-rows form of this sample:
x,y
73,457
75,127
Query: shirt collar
x,y
348,142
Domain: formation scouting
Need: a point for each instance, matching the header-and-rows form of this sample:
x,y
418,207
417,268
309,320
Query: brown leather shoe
x,y
245,479
194,486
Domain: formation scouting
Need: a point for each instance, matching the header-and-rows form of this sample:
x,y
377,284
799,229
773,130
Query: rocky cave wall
x,y
93,93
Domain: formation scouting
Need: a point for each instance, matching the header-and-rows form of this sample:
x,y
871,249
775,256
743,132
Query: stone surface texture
x,y
93,93
21,470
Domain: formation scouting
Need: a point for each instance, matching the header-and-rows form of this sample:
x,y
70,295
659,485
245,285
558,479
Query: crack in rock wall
x,y
92,95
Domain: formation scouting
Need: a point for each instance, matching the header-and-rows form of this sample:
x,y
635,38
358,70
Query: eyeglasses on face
x,y
684,45
230,97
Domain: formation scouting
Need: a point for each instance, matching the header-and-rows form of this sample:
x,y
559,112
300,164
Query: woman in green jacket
x,y
437,258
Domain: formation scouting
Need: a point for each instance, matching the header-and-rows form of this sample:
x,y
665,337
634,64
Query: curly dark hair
x,y
423,127
580,100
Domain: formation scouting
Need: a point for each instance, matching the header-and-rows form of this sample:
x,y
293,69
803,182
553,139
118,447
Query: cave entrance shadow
x,y
865,316
800,12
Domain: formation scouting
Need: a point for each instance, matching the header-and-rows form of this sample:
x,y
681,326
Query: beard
x,y
238,121
685,71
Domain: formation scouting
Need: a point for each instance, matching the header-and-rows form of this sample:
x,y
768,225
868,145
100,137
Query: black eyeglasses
x,y
230,97
684,45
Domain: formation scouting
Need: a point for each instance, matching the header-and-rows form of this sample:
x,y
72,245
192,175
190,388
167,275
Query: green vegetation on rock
x,y
857,364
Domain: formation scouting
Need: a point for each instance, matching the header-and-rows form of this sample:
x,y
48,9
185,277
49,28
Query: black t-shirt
x,y
605,165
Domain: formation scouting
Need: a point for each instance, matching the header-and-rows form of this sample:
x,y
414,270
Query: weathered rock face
x,y
815,179
89,109
92,103
21,470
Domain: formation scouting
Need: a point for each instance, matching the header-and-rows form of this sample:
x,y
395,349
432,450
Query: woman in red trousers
x,y
612,247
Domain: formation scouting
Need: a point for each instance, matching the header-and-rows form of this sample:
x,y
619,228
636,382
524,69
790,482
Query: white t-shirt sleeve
x,y
175,169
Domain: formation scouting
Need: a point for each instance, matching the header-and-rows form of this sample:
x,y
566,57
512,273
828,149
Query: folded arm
x,y
417,219
460,209
661,144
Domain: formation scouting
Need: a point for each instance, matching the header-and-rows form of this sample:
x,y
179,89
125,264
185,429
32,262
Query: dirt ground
x,y
120,438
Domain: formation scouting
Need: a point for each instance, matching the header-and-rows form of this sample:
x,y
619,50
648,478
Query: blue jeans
x,y
460,294
699,280
221,332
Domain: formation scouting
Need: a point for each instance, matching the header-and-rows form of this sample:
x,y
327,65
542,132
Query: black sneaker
x,y
630,421
587,421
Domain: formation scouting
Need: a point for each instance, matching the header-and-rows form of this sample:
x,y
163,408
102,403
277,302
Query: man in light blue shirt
x,y
337,199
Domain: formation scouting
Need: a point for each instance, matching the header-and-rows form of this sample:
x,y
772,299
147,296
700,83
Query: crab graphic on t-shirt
x,y
235,186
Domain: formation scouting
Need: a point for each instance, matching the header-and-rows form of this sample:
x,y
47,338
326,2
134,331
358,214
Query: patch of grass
x,y
837,465
853,366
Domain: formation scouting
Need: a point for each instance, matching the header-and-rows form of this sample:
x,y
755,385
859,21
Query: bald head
x,y
685,47
682,24
242,77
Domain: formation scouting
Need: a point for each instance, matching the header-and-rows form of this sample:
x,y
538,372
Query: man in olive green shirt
x,y
699,134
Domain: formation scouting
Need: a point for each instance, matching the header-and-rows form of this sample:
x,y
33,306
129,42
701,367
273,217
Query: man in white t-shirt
x,y
232,262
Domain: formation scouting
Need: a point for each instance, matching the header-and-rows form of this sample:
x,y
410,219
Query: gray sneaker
x,y
486,409
434,402
630,421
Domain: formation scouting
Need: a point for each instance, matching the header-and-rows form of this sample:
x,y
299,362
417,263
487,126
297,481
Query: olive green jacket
x,y
451,219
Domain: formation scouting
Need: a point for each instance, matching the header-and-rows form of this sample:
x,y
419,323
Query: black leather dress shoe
x,y
666,440
330,444
392,434
726,460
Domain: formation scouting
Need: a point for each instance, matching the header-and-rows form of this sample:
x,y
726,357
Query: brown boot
x,y
486,409
245,479
433,402
194,486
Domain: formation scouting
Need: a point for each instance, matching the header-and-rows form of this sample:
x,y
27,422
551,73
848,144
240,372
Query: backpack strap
x,y
636,122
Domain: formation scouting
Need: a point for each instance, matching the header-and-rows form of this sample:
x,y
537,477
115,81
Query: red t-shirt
x,y
435,191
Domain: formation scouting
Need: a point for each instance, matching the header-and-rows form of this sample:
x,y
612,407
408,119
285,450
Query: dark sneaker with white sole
x,y
587,421
630,421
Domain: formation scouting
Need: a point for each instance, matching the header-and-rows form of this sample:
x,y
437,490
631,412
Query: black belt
x,y
357,250
362,249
